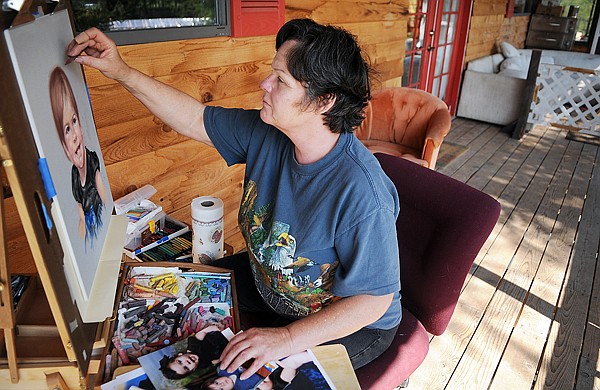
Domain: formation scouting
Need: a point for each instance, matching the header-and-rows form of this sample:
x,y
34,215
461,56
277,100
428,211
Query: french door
x,y
435,47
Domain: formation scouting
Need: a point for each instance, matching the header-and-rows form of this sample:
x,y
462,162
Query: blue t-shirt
x,y
315,233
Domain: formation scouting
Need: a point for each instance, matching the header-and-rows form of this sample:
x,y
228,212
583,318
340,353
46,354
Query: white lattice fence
x,y
567,97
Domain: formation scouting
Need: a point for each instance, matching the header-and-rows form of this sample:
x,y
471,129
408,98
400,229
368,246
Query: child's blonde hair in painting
x,y
87,185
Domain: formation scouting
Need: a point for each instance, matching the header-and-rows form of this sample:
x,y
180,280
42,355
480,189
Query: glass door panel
x,y
435,46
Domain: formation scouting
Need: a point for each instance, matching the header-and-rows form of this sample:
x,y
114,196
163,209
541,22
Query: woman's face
x,y
284,100
73,136
184,363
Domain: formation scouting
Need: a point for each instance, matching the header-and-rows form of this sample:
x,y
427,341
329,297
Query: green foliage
x,y
585,13
100,13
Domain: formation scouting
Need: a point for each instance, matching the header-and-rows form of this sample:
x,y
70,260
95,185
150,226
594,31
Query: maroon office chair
x,y
443,224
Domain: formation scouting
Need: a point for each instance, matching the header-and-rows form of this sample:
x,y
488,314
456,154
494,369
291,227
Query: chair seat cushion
x,y
377,146
407,352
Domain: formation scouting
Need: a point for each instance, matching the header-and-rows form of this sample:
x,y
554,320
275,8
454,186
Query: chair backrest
x,y
402,116
442,226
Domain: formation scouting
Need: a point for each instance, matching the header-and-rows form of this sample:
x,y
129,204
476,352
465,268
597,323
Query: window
x,y
584,11
133,21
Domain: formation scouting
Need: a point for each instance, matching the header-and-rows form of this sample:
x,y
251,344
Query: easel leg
x,y
7,317
9,339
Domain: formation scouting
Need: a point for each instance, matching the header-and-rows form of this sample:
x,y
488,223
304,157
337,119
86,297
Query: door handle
x,y
430,47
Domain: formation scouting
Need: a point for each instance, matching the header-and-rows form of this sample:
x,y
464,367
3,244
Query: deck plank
x,y
529,313
587,246
506,260
588,240
558,369
488,170
474,141
504,176
459,128
447,351
480,157
559,211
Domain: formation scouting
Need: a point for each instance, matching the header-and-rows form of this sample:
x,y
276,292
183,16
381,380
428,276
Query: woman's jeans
x,y
363,346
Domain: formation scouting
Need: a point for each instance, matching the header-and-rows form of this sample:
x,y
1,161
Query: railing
x,y
567,97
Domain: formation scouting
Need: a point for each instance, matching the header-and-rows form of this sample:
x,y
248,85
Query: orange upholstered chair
x,y
405,122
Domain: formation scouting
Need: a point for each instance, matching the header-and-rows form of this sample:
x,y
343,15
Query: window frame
x,y
138,36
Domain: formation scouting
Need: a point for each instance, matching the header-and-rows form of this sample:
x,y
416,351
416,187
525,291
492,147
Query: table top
x,y
336,363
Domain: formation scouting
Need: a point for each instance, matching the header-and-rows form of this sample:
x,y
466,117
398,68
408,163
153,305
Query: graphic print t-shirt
x,y
317,232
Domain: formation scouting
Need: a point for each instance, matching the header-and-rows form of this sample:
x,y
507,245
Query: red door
x,y
435,47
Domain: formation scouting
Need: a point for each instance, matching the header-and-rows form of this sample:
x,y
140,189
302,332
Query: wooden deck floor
x,y
529,313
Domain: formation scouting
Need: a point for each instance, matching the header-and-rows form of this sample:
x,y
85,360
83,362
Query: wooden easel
x,y
19,156
7,316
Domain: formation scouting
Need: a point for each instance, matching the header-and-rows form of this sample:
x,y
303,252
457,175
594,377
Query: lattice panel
x,y
567,97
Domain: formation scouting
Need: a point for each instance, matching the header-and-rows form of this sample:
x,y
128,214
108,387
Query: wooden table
x,y
336,363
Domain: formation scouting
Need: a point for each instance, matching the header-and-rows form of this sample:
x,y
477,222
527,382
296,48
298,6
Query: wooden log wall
x,y
514,30
489,26
138,149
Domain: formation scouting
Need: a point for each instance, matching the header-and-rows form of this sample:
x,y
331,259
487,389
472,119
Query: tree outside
x,y
104,13
584,17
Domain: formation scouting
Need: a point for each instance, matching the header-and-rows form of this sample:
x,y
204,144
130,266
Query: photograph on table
x,y
131,380
187,361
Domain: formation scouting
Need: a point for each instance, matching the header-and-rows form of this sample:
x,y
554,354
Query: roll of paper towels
x,y
207,229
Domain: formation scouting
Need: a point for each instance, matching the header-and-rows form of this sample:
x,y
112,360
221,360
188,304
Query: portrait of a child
x,y
87,185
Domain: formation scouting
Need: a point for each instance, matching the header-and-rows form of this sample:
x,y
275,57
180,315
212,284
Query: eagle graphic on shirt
x,y
293,285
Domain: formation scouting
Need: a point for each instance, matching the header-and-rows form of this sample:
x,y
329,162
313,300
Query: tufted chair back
x,y
405,122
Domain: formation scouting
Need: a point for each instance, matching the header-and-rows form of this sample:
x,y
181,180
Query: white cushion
x,y
508,50
514,73
486,64
513,63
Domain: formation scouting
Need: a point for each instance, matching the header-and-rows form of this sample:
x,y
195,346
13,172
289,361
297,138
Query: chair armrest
x,y
430,153
438,127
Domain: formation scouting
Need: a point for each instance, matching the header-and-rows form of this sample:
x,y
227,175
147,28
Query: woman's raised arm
x,y
176,109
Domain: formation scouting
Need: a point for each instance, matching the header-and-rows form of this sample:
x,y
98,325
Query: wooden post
x,y
528,94
7,316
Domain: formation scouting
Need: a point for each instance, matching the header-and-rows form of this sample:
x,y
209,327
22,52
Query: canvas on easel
x,y
59,112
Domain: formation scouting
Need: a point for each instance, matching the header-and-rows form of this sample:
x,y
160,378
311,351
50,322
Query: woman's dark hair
x,y
329,63
207,350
